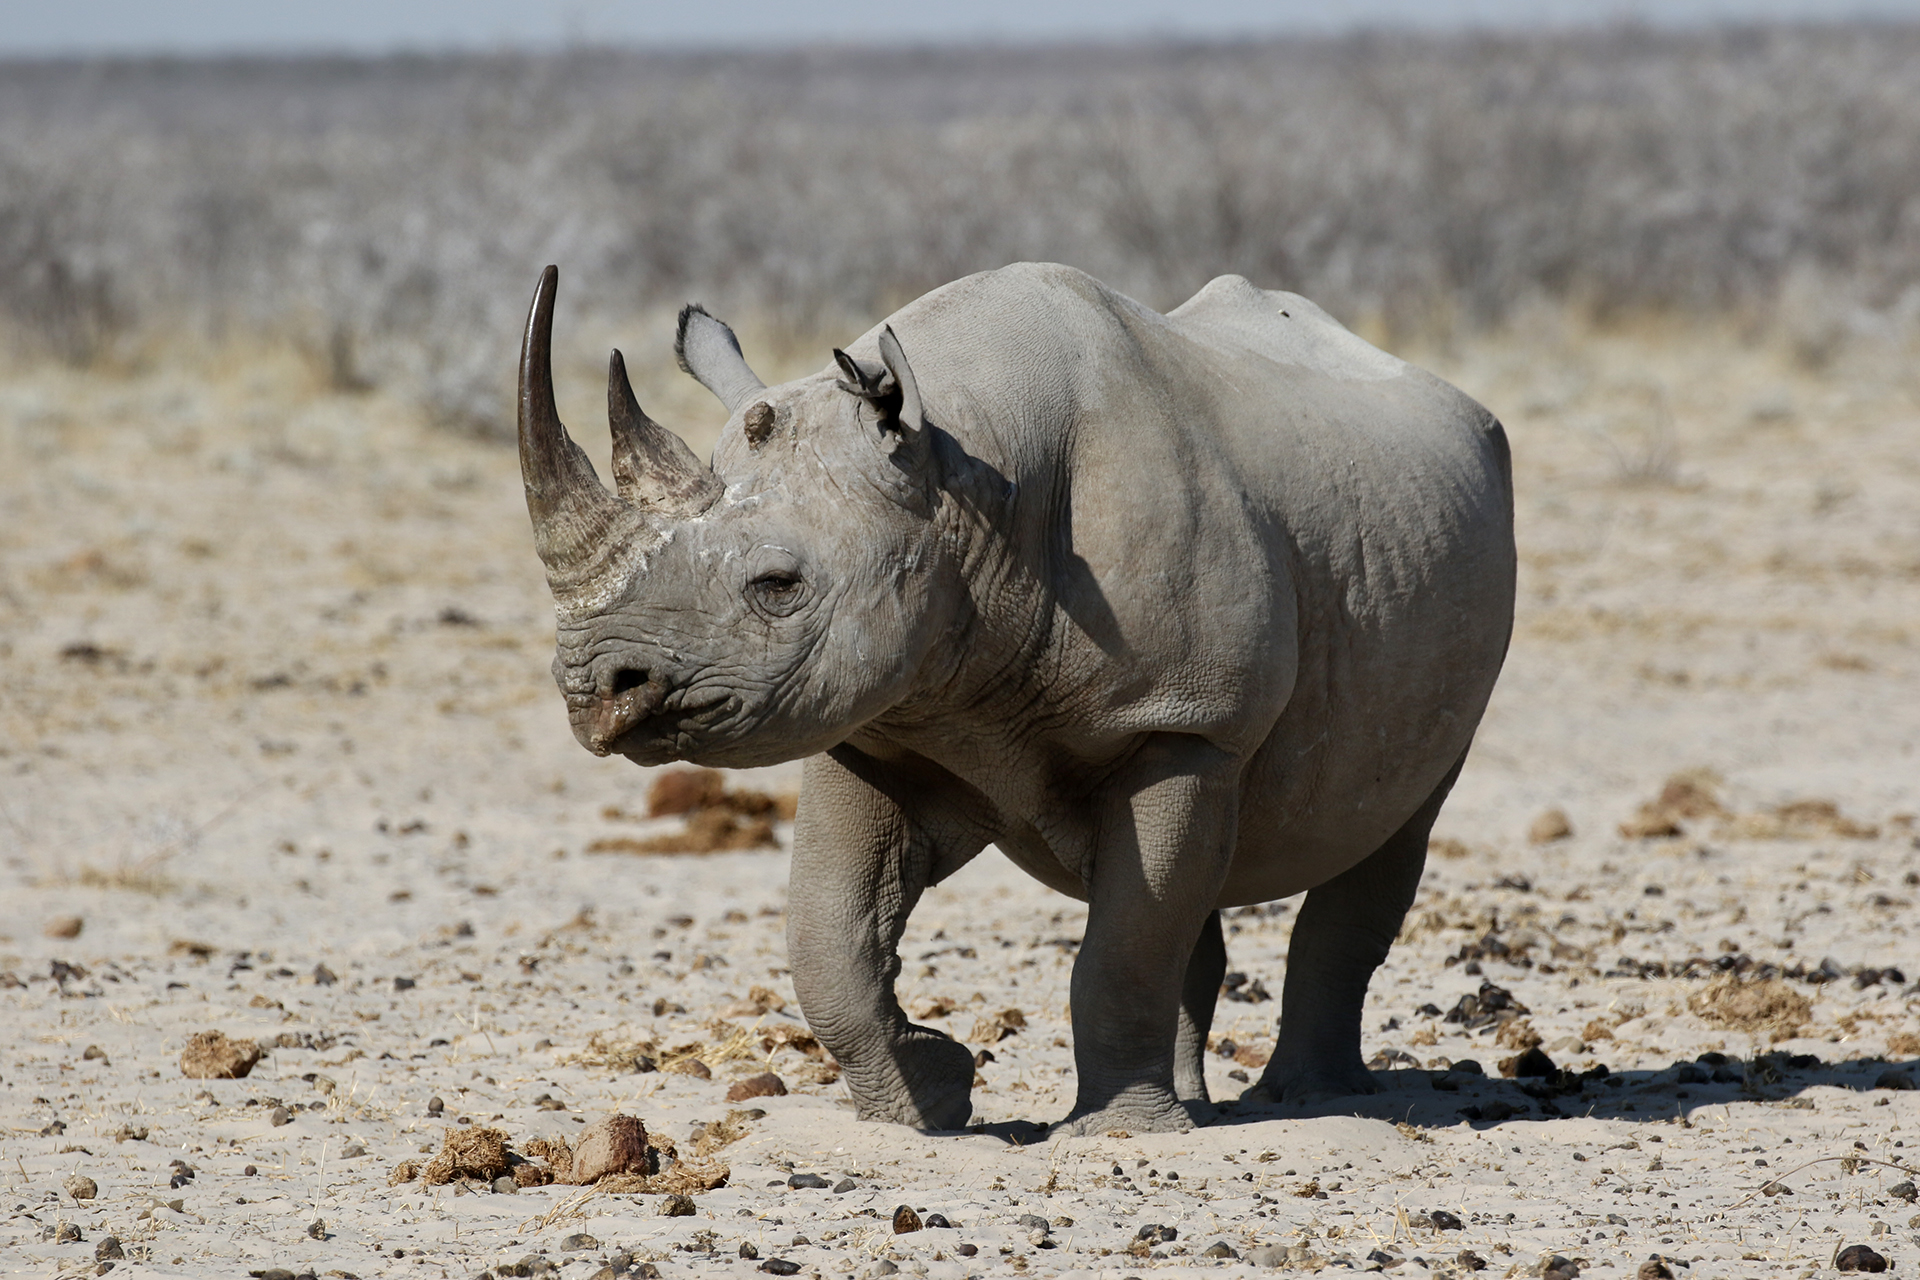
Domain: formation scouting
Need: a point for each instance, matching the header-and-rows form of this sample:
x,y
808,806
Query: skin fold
x,y
1179,612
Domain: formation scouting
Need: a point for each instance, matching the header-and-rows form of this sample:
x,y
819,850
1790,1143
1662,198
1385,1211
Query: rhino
x,y
1180,612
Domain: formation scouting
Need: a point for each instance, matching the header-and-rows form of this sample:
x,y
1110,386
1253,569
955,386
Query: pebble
x,y
884,1267
251,1171
677,1206
1470,1260
279,1116
352,1151
1858,1257
764,1085
1550,826
747,1250
1904,1191
81,1187
1220,1249
109,1247
65,927
67,1233
780,1267
317,1228
1444,1221
905,1220
967,1250
1267,1255
504,1185
435,1105
808,1182
577,1241
938,1222
1653,1269
323,976
845,1185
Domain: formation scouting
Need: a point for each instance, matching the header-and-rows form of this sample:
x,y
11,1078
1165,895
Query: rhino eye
x,y
778,593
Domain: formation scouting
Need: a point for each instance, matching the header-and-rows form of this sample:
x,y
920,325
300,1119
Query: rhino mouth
x,y
644,721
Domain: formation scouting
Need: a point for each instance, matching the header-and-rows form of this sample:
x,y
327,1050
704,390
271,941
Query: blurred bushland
x,y
388,215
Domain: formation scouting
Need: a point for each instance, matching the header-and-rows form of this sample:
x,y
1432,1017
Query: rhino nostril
x,y
627,678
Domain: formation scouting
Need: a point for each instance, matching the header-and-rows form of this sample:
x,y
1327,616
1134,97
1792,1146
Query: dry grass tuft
x,y
1686,797
1800,820
1762,1005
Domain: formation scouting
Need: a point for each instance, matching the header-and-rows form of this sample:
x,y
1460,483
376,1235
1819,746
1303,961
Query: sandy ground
x,y
273,696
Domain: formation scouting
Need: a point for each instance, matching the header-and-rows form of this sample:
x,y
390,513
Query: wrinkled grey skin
x,y
1180,612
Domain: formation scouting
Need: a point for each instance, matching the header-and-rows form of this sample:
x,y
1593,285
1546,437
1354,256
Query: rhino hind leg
x,y
1343,932
1198,993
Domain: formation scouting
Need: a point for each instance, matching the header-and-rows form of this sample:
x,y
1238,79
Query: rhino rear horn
x,y
707,349
652,467
578,527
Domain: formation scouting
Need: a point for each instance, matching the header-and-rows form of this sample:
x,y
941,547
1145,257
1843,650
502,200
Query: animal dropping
x,y
1183,612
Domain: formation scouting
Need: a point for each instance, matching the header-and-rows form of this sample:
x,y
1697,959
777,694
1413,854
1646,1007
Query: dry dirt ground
x,y
274,709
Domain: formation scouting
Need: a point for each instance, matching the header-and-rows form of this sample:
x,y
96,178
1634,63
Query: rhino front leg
x,y
860,862
1166,839
1198,994
1344,931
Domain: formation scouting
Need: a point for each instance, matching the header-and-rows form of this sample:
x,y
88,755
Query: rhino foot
x,y
1130,1118
929,1085
1300,1085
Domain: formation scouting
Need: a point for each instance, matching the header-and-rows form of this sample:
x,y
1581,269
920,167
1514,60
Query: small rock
x,y
69,1233
780,1267
1530,1065
1776,1189
808,1182
1554,1265
279,1116
966,1250
764,1085
577,1241
317,1228
352,1151
1615,1220
1444,1221
403,984
65,927
1154,1233
1470,1260
1857,1257
845,1185
435,1105
617,1144
109,1247
1904,1191
1892,1079
1033,1222
695,1067
93,1053
323,976
1220,1249
938,1222
209,1055
275,1273
906,1220
251,1171
1267,1255
1653,1269
1384,1260
504,1185
81,1187
747,1250
1568,1046
677,1206
884,1267
1550,826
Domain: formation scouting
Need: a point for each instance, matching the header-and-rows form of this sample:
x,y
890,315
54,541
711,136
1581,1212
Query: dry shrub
x,y
468,1153
209,1055
1597,1029
1517,1034
1550,826
997,1027
1686,797
723,1133
1904,1044
1448,847
1762,1005
1800,820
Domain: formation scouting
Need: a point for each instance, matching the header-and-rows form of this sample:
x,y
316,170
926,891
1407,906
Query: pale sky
x,y
37,27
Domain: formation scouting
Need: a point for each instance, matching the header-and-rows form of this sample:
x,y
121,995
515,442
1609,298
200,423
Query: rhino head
x,y
750,612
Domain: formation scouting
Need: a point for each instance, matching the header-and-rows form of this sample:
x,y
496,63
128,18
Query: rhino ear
x,y
911,416
707,349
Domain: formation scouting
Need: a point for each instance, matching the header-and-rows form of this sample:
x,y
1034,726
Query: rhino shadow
x,y
1440,1099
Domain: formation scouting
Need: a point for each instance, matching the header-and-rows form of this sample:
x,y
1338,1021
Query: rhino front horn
x,y
579,528
652,467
